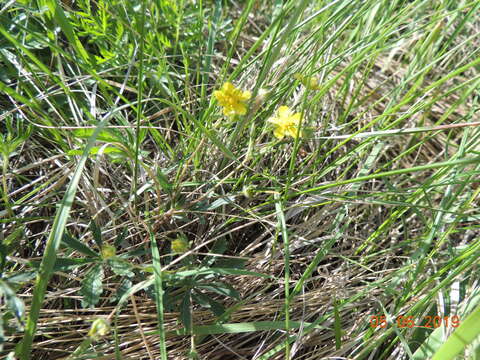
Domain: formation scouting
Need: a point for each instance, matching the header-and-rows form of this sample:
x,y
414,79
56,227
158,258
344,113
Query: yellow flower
x,y
233,100
286,123
180,245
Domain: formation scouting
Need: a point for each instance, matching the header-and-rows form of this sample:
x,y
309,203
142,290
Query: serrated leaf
x,y
75,244
136,252
216,308
92,286
219,247
120,267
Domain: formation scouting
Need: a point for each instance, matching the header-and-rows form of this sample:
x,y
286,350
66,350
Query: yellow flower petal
x,y
274,120
284,111
292,131
279,132
246,95
296,118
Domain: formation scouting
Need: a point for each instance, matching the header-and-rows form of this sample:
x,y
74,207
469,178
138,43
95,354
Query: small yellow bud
x,y
310,82
180,245
100,328
248,191
108,251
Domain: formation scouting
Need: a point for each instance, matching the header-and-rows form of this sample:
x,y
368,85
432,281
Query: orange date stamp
x,y
428,321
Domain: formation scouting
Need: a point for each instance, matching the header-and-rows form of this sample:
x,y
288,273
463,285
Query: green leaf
x,y
236,328
13,303
92,286
49,258
185,314
64,264
120,267
222,289
21,277
96,149
9,244
2,335
78,245
159,294
164,183
104,135
120,238
122,289
67,28
463,336
217,203
220,246
337,325
230,263
214,270
11,241
215,307
97,233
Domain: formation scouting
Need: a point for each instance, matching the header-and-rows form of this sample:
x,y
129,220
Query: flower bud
x,y
100,328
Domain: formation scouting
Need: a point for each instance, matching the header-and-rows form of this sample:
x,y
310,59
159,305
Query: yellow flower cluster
x,y
286,122
233,100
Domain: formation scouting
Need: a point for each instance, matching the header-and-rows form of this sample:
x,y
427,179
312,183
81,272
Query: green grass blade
x,y
157,272
463,336
286,255
241,327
